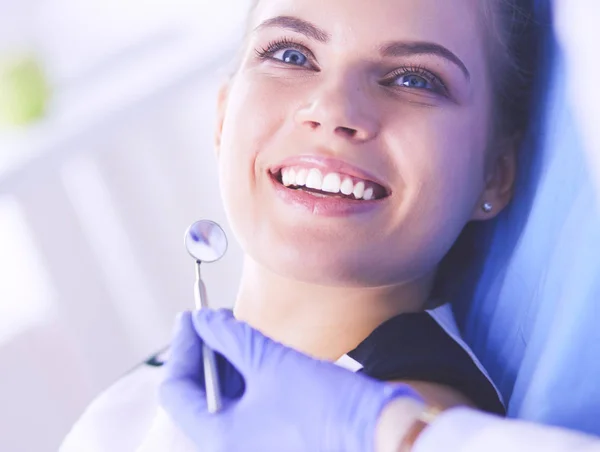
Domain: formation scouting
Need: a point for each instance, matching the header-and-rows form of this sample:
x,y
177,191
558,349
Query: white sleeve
x,y
467,430
120,418
165,436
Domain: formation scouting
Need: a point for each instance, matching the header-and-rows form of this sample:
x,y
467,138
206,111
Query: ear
x,y
221,109
499,186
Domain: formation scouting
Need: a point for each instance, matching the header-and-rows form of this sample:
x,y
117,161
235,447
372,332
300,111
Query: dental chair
x,y
531,311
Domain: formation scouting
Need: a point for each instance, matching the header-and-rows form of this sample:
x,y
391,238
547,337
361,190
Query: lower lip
x,y
323,206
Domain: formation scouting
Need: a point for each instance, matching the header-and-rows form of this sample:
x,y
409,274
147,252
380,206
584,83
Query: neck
x,y
324,322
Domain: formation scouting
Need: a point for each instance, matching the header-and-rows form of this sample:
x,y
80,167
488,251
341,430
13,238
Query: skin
x,y
322,284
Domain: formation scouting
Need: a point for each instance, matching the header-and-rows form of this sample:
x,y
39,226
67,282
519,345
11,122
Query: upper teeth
x,y
331,183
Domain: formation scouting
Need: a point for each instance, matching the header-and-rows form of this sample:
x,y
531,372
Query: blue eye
x,y
414,81
291,56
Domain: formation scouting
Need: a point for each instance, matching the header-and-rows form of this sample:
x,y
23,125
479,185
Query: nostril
x,y
351,133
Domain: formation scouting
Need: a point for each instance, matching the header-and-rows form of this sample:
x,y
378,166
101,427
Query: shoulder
x,y
119,418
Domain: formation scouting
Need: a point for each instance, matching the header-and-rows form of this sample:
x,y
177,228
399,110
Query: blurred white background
x,y
96,195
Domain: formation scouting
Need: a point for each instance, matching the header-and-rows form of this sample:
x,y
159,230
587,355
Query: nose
x,y
340,109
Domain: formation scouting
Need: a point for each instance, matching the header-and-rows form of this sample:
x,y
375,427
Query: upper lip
x,y
330,165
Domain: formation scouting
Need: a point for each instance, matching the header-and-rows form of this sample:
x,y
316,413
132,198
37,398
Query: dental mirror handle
x,y
211,377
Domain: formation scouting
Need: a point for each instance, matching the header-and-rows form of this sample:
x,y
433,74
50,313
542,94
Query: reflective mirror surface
x,y
206,241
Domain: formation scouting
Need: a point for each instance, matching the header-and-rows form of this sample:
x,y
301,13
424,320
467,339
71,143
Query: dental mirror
x,y
206,242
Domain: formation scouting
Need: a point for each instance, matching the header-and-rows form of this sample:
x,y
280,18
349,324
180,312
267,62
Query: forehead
x,y
456,24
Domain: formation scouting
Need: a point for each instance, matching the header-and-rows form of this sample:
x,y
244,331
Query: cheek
x,y
256,115
441,160
443,151
259,117
440,155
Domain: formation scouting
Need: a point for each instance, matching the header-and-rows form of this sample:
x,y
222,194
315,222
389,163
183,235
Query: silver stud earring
x,y
487,207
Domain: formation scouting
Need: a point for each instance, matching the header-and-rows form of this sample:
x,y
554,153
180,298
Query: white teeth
x,y
331,183
285,177
292,176
314,179
347,186
301,176
359,190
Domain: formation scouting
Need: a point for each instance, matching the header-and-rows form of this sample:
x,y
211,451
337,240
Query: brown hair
x,y
512,52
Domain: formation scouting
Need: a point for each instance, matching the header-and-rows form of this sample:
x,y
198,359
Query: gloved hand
x,y
274,398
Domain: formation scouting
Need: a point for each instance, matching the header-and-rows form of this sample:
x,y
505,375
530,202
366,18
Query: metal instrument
x,y
206,242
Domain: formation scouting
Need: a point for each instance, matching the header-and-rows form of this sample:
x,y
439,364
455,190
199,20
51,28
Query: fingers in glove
x,y
181,392
185,361
224,334
185,355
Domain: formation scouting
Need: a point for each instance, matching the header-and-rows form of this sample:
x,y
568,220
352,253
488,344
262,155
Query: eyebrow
x,y
401,48
391,49
298,25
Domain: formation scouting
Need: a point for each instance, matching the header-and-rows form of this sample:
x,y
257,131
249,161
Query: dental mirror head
x,y
206,241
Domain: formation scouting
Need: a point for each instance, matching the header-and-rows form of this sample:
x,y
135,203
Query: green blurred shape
x,y
24,91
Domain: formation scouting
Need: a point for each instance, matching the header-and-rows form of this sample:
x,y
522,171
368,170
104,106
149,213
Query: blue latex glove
x,y
275,399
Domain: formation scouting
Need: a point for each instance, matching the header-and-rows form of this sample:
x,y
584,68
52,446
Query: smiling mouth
x,y
330,185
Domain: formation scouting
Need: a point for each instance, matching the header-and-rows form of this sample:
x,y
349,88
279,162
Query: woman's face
x,y
386,101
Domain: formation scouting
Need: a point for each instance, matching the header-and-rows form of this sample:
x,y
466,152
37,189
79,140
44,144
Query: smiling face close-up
x,y
354,137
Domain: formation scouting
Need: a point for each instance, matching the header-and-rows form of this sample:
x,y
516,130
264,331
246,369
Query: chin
x,y
327,265
321,275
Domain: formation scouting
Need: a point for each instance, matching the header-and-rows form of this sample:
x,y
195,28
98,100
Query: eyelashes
x,y
413,75
415,71
281,44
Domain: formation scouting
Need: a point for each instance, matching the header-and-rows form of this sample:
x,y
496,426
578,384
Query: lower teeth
x,y
321,194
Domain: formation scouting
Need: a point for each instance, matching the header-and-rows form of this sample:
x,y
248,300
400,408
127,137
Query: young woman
x,y
355,141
